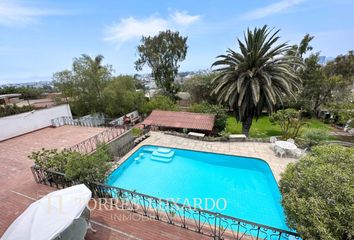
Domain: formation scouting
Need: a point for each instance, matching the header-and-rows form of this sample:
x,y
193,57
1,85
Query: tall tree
x,y
84,84
200,87
121,96
257,77
298,50
303,47
342,65
320,85
162,53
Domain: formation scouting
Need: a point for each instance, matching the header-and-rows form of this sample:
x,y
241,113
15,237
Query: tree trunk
x,y
246,125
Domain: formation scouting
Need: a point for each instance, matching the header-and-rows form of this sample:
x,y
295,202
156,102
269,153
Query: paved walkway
x,y
247,149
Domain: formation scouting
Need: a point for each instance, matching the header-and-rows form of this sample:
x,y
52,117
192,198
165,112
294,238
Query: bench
x,y
196,135
135,119
237,137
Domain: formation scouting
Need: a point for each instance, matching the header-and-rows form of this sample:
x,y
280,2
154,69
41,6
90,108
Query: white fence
x,y
14,125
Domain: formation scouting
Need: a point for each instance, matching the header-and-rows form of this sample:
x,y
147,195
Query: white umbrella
x,y
49,216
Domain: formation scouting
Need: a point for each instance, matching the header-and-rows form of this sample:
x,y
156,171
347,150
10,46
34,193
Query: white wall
x,y
22,123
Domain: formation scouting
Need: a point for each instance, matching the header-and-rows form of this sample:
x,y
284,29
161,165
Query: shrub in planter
x,y
54,160
224,135
137,132
89,167
75,165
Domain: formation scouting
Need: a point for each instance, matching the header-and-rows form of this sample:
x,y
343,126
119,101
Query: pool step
x,y
163,155
164,150
161,159
150,149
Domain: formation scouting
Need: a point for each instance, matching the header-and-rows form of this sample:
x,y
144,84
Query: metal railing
x,y
91,144
215,225
83,122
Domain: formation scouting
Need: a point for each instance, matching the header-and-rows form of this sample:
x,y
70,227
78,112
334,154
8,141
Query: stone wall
x,y
122,145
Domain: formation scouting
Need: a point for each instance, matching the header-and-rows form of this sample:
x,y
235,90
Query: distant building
x,y
324,59
39,84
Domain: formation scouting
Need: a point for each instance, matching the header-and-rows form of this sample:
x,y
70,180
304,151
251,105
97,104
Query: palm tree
x,y
303,47
258,77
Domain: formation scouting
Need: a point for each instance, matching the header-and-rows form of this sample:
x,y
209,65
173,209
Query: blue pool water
x,y
247,184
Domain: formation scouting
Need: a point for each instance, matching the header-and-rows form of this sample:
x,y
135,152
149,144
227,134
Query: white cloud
x,y
271,9
182,18
132,28
14,13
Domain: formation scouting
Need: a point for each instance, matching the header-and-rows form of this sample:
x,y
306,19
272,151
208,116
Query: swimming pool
x,y
247,185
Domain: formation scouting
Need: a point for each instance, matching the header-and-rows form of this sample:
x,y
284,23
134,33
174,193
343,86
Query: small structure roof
x,y
189,120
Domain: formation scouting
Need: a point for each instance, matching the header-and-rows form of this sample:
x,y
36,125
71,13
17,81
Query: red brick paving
x,y
15,174
18,189
140,227
14,162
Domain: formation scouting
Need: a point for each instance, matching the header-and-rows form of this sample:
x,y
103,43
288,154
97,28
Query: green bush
x,y
8,110
218,110
318,193
314,136
160,102
89,167
75,165
290,122
54,160
137,132
120,96
200,88
224,135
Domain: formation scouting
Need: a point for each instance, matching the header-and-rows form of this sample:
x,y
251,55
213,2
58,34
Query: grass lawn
x,y
263,128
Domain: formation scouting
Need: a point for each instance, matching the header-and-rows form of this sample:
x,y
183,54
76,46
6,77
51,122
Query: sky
x,y
41,37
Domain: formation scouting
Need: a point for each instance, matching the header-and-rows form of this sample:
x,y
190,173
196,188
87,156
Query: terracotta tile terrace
x,y
19,189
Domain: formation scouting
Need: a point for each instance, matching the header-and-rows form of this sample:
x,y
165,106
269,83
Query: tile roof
x,y
189,120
